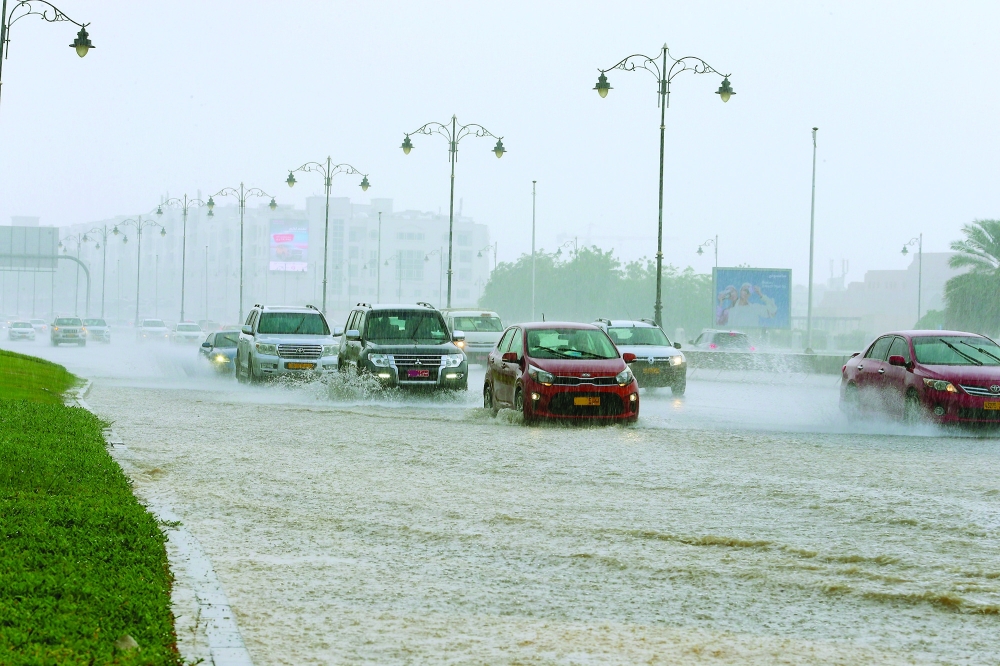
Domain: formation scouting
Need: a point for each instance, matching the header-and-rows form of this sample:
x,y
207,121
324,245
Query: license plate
x,y
300,366
418,374
70,335
587,402
650,371
991,405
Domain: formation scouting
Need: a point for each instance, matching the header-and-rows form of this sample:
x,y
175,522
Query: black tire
x,y
237,372
488,402
912,409
251,377
679,387
521,406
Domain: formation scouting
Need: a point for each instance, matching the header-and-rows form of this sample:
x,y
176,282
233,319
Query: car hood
x,y
576,367
964,374
479,338
228,352
424,348
296,339
152,329
642,352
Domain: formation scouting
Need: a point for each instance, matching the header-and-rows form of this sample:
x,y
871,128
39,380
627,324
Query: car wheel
x,y
678,387
851,404
488,402
54,343
82,343
912,410
236,370
520,406
252,378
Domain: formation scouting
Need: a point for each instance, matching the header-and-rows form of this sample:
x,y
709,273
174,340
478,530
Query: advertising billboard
x,y
28,248
749,298
289,245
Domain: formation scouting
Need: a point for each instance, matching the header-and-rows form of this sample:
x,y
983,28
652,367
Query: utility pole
x,y
812,233
533,249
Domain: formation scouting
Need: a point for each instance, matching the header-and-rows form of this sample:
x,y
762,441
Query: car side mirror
x,y
690,342
458,336
677,345
509,357
206,345
353,335
897,360
246,330
338,331
628,357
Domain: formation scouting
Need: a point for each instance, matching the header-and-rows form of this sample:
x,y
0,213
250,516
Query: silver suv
x,y
277,341
68,329
658,362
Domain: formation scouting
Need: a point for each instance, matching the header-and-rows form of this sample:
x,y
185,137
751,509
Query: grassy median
x,y
82,563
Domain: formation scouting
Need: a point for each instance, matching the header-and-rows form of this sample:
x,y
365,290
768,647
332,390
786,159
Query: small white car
x,y
187,332
482,329
20,330
152,330
728,341
658,362
98,330
40,326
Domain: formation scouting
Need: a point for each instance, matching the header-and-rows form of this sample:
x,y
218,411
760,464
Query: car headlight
x,y
264,348
453,360
379,360
676,360
329,350
541,376
940,385
624,377
221,358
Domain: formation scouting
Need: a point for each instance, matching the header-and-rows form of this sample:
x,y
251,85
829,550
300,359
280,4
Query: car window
x,y
505,341
572,343
411,325
877,351
517,342
210,339
349,324
638,335
292,323
188,328
483,323
249,321
956,350
69,321
153,323
226,340
900,348
20,324
94,322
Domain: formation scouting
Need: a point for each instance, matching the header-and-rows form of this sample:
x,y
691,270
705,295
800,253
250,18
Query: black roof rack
x,y
363,305
604,321
649,321
312,307
426,305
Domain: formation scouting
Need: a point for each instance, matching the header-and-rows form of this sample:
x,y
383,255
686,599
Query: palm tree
x,y
971,302
980,250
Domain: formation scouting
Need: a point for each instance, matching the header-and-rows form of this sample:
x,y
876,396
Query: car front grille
x,y
578,381
300,351
975,413
562,404
980,391
411,364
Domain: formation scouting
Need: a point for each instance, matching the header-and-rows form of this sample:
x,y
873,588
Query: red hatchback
x,y
947,376
561,371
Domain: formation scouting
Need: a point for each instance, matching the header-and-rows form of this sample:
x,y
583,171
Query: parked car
x,y
186,333
152,330
68,329
482,331
658,363
39,325
20,330
98,330
219,350
561,371
280,340
404,345
944,376
730,341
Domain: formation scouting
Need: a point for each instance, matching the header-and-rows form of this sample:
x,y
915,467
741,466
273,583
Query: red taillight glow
x,y
713,346
753,349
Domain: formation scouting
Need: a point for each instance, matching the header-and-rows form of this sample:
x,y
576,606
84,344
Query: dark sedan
x,y
219,350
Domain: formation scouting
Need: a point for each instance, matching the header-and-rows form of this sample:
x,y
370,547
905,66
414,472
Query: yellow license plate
x,y
650,371
587,402
300,366
992,406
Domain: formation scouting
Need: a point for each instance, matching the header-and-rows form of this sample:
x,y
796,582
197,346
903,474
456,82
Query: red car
x,y
946,376
557,370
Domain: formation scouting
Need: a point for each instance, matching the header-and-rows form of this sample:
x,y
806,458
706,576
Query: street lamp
x,y
491,246
47,12
574,242
241,194
714,242
328,170
102,233
658,67
919,242
139,225
184,204
454,133
79,239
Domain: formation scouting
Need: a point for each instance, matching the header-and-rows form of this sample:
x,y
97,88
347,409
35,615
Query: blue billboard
x,y
289,246
748,298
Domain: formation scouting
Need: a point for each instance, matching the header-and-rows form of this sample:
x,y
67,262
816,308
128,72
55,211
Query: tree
x,y
971,301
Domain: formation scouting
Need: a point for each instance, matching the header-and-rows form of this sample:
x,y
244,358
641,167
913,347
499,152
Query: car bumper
x,y
275,366
152,337
20,336
658,375
961,408
614,403
445,378
103,336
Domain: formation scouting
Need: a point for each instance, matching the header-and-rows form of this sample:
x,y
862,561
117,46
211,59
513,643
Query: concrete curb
x,y
198,600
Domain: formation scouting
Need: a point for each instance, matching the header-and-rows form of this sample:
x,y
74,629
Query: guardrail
x,y
780,362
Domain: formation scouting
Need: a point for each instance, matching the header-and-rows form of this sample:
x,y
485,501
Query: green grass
x,y
29,378
81,561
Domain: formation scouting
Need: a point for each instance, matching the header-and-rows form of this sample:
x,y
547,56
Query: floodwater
x,y
748,522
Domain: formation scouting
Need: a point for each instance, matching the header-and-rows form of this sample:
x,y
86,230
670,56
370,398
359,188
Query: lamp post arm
x,y
634,62
460,132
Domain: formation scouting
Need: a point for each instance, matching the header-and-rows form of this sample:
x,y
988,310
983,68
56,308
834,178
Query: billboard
x,y
289,245
28,248
749,298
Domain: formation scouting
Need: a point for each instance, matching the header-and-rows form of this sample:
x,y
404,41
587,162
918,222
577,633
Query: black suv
x,y
404,345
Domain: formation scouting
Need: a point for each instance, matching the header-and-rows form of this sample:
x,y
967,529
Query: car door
x,y
243,347
498,369
893,377
354,346
510,371
870,369
206,351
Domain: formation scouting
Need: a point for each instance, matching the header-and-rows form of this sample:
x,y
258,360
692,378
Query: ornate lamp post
x,y
184,204
241,194
919,242
79,239
491,246
102,235
658,67
454,133
139,225
47,12
328,171
713,242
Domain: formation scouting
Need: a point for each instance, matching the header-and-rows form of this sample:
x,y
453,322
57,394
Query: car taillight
x,y
713,346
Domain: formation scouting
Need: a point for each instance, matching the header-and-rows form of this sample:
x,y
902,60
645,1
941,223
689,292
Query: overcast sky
x,y
182,95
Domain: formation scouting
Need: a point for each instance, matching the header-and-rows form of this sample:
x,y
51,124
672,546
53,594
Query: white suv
x,y
482,329
658,362
284,340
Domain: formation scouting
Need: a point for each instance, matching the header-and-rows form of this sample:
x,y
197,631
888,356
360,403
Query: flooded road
x,y
747,522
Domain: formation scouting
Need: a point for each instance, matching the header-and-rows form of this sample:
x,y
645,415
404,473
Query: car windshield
x,y
956,350
189,328
153,323
69,321
20,324
94,322
638,335
292,323
227,340
413,325
577,343
730,341
479,324
37,321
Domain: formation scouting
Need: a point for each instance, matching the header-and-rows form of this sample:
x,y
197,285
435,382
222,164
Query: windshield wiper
x,y
961,353
554,351
981,351
591,354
